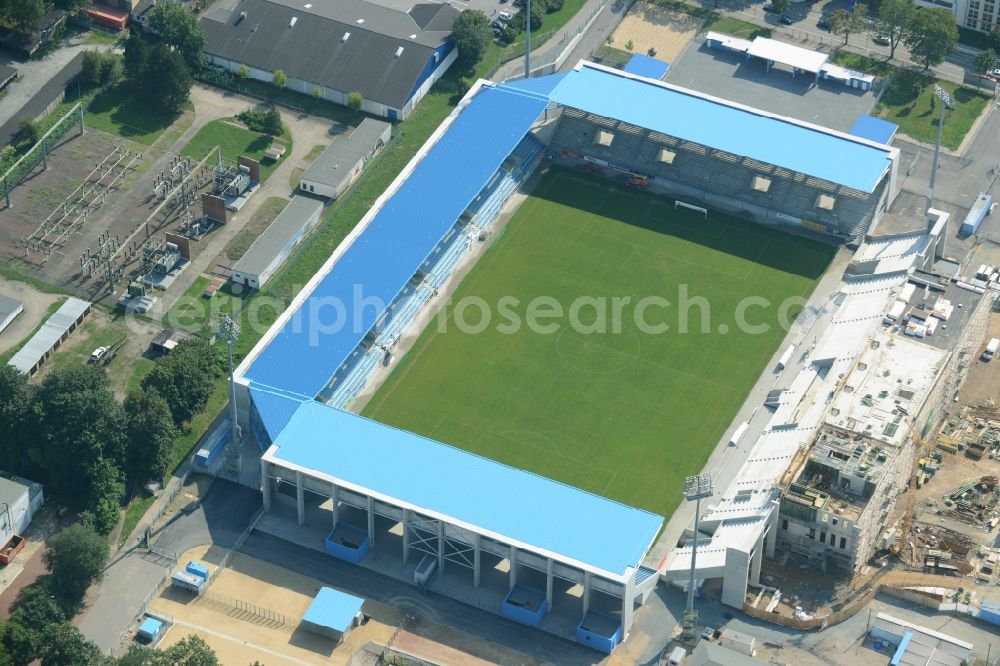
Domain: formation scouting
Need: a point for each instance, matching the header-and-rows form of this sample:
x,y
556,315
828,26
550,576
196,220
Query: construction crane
x,y
911,492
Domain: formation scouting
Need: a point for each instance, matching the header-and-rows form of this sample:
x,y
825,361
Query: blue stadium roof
x,y
651,68
311,346
687,115
275,407
512,503
874,129
541,85
334,609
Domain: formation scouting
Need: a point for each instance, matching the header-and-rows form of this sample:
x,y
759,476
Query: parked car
x,y
769,8
504,16
881,40
98,354
786,19
995,73
823,23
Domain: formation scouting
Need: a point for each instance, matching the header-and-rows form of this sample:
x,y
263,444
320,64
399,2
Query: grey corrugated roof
x,y
377,18
314,49
41,99
335,163
267,246
51,331
8,305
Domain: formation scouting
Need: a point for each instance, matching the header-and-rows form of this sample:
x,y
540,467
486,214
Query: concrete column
x,y
628,603
476,559
755,558
586,591
440,547
371,523
334,504
406,535
265,483
548,582
300,498
513,567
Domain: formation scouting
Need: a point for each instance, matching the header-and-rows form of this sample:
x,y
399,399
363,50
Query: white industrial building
x,y
9,310
978,15
341,163
840,404
19,500
269,251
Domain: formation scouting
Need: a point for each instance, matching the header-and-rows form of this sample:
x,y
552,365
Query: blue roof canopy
x,y
334,609
689,116
512,503
274,407
332,321
643,65
874,129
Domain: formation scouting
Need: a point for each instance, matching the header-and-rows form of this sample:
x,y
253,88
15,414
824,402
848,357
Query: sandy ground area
x,y
239,636
983,382
36,306
664,30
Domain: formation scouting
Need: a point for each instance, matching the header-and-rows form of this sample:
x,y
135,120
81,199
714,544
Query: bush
x,y
268,122
355,101
28,133
552,6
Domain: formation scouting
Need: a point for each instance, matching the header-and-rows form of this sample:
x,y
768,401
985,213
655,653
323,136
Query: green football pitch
x,y
624,411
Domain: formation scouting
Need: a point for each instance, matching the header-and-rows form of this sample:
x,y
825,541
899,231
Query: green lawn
x,y
235,141
909,102
133,514
119,111
736,28
877,67
627,413
98,36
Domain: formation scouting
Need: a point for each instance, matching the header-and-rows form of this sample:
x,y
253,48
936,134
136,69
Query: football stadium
x,y
546,322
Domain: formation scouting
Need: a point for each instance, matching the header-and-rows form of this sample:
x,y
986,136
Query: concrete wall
x,y
21,511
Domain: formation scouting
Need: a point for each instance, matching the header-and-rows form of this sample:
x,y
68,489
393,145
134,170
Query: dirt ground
x,y
983,381
36,306
664,30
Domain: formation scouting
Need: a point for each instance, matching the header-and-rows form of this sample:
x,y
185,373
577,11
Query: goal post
x,y
698,209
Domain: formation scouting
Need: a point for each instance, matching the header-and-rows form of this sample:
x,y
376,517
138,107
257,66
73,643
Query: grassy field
x,y
121,112
877,67
137,507
235,141
625,414
910,103
736,28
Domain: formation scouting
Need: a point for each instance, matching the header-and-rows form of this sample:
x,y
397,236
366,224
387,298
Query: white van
x,y
991,349
677,656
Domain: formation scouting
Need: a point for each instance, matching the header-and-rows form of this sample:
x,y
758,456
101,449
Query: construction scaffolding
x,y
72,213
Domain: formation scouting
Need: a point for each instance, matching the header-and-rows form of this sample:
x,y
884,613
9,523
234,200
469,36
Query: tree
x,y
651,52
76,557
629,45
471,34
91,69
272,122
986,61
149,435
189,651
64,645
18,643
104,498
846,23
185,378
77,422
243,72
931,36
28,132
72,6
994,40
172,87
23,15
15,410
317,92
780,6
136,58
894,18
279,78
355,101
179,28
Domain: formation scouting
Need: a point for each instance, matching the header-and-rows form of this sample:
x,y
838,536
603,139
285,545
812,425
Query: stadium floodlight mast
x,y
229,331
946,103
527,40
696,488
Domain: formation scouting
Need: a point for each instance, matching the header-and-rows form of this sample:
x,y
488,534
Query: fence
x,y
39,152
243,610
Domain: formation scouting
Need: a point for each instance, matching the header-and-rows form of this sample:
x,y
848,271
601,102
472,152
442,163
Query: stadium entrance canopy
x,y
799,59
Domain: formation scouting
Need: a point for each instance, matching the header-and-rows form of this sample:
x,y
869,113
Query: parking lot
x,y
726,75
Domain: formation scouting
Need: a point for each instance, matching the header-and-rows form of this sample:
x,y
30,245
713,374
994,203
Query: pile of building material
x,y
942,551
974,502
